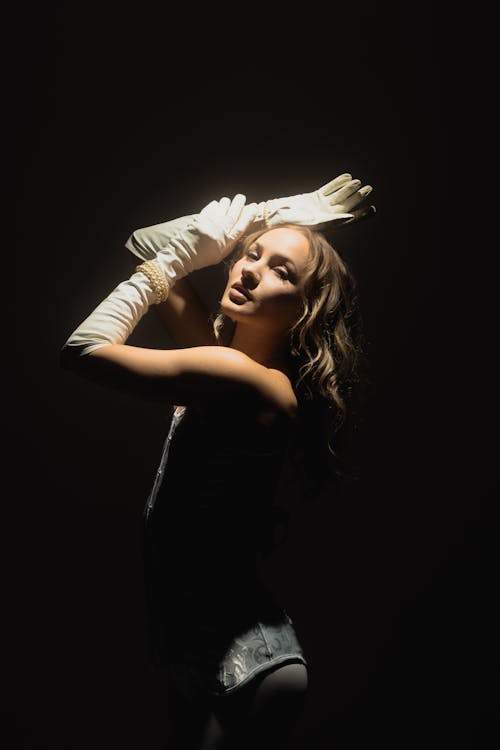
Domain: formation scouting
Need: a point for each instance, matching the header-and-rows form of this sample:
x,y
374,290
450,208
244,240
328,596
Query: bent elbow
x,y
75,356
139,244
69,357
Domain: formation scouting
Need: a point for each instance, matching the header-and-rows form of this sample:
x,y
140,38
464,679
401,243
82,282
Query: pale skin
x,y
252,368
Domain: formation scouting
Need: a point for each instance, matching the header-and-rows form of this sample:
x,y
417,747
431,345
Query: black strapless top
x,y
209,516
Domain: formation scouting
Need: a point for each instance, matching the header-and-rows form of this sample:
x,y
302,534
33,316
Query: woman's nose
x,y
249,276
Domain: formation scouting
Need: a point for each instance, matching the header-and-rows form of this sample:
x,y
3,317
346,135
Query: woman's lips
x,y
236,295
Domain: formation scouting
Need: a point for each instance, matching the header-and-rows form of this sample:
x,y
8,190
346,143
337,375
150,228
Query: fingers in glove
x,y
335,184
210,208
358,197
242,216
237,204
344,192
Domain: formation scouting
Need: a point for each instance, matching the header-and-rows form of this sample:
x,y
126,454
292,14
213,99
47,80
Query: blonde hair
x,y
326,354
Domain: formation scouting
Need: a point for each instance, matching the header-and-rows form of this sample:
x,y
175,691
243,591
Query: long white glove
x,y
208,238
334,204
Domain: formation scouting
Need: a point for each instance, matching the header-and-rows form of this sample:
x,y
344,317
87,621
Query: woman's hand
x,y
221,224
333,205
209,238
340,201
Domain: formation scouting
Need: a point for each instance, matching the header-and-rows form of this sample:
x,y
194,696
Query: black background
x,y
125,118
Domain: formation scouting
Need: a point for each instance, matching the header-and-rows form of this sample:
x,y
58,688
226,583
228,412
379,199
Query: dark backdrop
x,y
125,118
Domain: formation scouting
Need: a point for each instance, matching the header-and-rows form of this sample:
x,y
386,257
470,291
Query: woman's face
x,y
270,276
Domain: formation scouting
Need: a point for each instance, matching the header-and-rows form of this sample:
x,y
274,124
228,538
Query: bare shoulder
x,y
195,375
285,386
273,385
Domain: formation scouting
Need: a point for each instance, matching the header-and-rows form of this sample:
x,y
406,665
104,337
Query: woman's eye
x,y
282,272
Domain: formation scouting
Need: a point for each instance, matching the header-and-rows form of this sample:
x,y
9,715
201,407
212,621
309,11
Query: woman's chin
x,y
232,309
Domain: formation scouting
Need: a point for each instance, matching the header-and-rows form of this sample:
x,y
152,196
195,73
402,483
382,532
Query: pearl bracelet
x,y
154,273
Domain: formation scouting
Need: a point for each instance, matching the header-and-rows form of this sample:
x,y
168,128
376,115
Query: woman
x,y
246,384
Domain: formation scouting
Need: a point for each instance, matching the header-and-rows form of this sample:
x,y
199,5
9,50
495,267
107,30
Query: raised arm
x,y
186,317
183,314
193,376
97,349
335,204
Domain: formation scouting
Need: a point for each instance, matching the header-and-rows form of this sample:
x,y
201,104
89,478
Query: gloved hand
x,y
208,238
332,205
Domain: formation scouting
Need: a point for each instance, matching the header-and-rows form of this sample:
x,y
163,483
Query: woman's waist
x,y
217,611
221,587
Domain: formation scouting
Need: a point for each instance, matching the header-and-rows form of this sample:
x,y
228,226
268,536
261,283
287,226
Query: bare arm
x,y
192,376
185,316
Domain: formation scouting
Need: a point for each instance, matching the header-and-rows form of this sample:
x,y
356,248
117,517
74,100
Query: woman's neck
x,y
269,351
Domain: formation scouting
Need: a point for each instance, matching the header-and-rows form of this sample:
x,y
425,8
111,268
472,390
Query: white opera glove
x,y
114,318
209,238
332,205
145,243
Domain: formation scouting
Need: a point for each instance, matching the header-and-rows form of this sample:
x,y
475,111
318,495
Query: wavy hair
x,y
327,353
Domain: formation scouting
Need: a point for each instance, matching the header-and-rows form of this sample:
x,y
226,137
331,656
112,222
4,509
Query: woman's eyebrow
x,y
278,255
